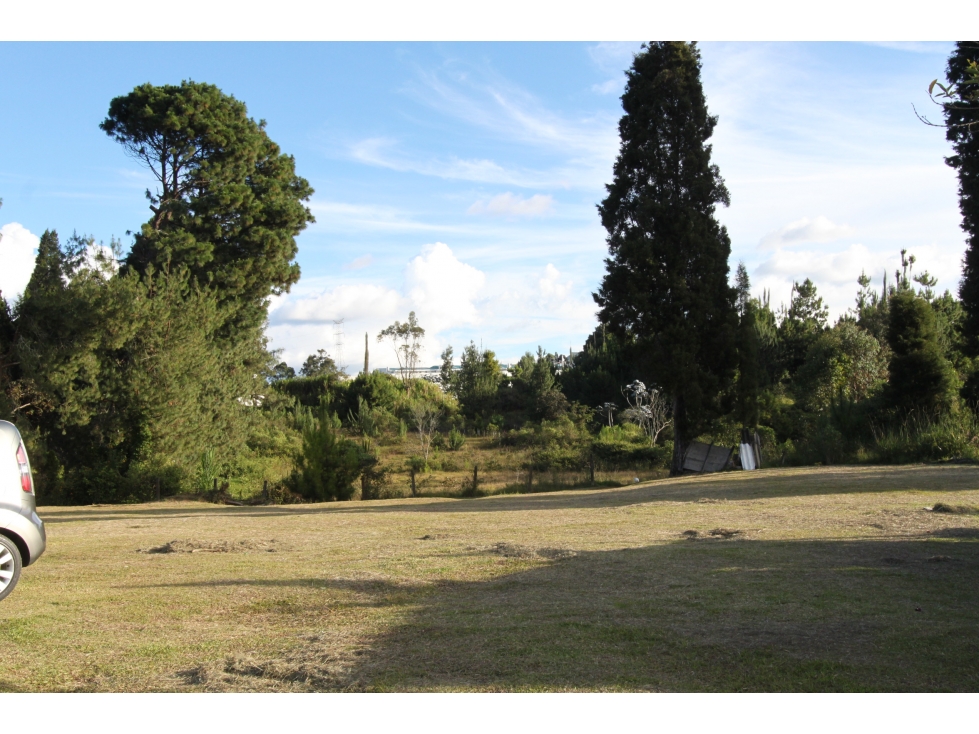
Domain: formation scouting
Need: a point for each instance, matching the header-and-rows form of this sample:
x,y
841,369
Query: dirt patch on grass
x,y
214,546
715,534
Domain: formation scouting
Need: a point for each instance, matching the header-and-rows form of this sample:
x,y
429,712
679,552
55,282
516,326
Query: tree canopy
x,y
229,204
666,278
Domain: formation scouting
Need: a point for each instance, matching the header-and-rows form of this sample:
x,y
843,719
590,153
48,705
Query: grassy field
x,y
813,579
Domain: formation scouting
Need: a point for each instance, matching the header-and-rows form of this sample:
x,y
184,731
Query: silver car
x,y
22,537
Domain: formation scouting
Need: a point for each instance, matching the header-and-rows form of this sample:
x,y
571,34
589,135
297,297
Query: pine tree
x,y
920,377
229,204
666,281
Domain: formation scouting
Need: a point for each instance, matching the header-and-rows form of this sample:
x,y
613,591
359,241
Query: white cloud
x,y
442,289
359,263
17,255
333,215
835,273
454,302
510,205
353,302
802,230
381,152
437,286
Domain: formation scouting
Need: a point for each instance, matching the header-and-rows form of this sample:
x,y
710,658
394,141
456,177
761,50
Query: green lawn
x,y
836,579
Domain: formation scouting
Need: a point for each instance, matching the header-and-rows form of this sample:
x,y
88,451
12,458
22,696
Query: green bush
x,y
328,464
207,472
456,439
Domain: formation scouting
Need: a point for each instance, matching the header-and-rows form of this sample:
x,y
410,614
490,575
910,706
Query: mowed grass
x,y
837,579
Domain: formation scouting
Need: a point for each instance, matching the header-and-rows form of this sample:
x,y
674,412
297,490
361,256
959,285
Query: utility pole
x,y
338,344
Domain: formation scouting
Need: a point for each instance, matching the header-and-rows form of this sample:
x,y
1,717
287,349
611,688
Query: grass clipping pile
x,y
213,546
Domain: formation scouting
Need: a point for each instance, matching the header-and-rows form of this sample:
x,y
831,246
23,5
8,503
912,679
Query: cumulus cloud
x,y
454,302
17,255
438,287
352,302
510,205
802,230
442,289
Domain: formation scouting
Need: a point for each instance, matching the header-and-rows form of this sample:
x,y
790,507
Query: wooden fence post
x,y
414,491
157,489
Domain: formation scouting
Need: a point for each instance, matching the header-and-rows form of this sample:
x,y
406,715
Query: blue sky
x,y
460,180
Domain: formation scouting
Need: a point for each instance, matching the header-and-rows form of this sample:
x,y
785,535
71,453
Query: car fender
x,y
27,532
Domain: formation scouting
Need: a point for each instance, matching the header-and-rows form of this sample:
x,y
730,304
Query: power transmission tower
x,y
338,344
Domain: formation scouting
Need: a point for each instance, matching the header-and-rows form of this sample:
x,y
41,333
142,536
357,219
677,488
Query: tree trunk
x,y
680,439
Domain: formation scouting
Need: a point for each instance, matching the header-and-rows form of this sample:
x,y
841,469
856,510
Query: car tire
x,y
10,565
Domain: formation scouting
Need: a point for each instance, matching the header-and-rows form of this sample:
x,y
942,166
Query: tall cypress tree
x,y
666,282
962,130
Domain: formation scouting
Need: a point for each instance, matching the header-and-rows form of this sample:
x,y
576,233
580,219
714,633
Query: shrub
x,y
456,439
207,472
918,439
328,464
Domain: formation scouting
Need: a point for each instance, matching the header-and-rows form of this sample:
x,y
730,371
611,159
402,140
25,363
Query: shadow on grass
x,y
729,486
702,615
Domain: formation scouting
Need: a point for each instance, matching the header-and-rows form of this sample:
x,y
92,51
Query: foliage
x,y
800,326
648,409
532,393
919,438
318,364
845,361
666,280
599,370
456,439
921,379
328,464
406,340
365,419
425,417
126,371
228,203
961,131
477,383
207,471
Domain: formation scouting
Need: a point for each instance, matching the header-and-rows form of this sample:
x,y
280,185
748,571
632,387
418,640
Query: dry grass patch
x,y
801,579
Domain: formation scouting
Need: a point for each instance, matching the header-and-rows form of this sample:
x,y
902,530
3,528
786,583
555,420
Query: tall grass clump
x,y
952,436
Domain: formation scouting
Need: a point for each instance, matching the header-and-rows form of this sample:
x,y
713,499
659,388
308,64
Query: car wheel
x,y
10,564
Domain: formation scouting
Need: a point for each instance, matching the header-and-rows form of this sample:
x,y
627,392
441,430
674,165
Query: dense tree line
x,y
121,370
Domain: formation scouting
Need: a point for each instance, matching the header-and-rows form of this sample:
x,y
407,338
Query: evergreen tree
x,y
921,378
477,384
801,325
962,130
229,204
666,281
